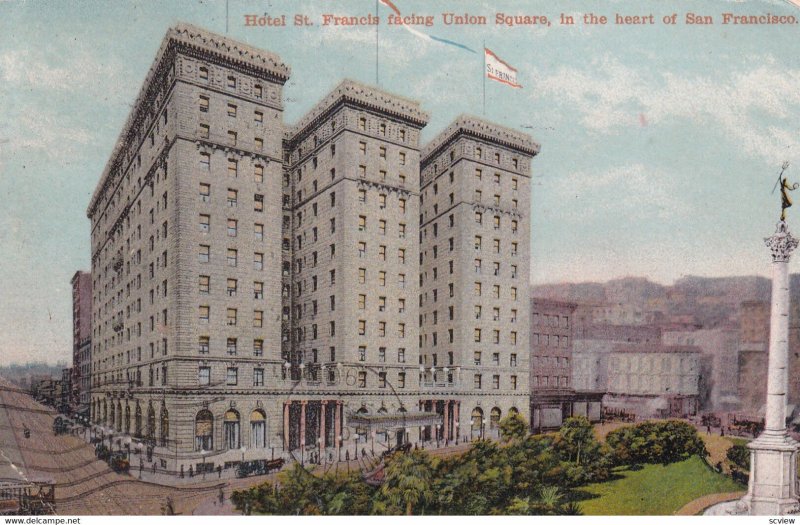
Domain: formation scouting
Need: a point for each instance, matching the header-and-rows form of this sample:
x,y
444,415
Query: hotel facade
x,y
260,290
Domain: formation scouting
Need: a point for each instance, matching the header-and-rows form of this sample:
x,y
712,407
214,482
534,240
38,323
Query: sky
x,y
660,144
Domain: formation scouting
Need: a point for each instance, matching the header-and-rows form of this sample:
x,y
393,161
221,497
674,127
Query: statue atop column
x,y
786,202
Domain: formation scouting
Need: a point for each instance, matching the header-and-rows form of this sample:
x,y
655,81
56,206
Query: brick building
x,y
81,338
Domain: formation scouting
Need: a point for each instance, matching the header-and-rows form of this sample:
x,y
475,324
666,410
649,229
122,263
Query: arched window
x,y
513,410
494,418
151,422
127,418
477,419
164,426
258,429
119,416
204,431
230,426
105,412
112,415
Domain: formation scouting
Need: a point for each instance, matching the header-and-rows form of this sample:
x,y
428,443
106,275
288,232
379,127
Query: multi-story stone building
x,y
551,390
186,243
351,206
257,290
81,338
654,380
474,272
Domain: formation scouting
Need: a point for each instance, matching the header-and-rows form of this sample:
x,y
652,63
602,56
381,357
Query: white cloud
x,y
30,68
752,107
634,191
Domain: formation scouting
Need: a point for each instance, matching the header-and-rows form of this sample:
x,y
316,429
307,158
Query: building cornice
x,y
363,96
480,129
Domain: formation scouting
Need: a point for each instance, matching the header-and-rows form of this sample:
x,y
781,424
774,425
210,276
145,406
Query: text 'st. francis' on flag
x,y
499,70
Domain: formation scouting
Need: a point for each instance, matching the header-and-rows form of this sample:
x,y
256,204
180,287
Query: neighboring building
x,y
719,391
474,273
551,388
592,346
257,286
752,363
81,338
654,380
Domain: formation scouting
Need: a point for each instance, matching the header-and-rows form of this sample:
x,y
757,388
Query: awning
x,y
396,420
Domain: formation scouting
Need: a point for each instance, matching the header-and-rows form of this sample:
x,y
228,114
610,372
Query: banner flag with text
x,y
498,70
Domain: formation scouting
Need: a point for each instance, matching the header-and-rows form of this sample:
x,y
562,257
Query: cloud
x,y
78,71
634,192
754,108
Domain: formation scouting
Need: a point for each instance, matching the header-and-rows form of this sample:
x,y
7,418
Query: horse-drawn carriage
x,y
258,467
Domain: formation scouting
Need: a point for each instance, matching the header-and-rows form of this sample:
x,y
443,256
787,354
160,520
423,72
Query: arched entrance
x,y
477,423
494,421
258,429
231,429
204,431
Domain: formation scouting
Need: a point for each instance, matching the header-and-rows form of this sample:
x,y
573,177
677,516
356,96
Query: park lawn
x,y
655,489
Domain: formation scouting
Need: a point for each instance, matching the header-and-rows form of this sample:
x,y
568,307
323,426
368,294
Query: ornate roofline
x,y
188,38
481,129
361,95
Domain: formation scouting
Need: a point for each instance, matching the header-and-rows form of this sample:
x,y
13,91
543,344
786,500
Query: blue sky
x,y
660,144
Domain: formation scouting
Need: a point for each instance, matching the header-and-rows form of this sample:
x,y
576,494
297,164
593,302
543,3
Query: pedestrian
x,y
181,470
221,496
219,471
722,431
191,471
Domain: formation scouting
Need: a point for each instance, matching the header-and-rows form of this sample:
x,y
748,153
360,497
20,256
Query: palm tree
x,y
407,480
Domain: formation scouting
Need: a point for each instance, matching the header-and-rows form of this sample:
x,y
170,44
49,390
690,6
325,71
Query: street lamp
x,y
128,446
457,434
340,447
243,449
483,428
203,455
438,426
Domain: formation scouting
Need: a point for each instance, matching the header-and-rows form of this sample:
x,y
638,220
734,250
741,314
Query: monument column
x,y
772,488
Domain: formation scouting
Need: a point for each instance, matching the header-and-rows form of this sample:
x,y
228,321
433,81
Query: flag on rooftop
x,y
499,70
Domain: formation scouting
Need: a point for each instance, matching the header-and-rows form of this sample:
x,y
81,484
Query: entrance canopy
x,y
396,420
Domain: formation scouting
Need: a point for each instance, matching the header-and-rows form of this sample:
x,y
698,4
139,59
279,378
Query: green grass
x,y
655,489
738,440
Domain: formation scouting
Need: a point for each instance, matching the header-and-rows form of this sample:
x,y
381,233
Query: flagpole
x,y
377,81
483,74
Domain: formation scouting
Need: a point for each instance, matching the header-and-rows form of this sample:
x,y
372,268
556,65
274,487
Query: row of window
x,y
231,316
233,171
232,257
495,245
231,82
545,381
232,287
232,227
550,320
231,346
477,359
549,362
478,291
550,340
478,333
478,382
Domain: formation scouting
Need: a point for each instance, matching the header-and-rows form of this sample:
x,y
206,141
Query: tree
x,y
739,455
513,426
407,482
576,436
656,442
